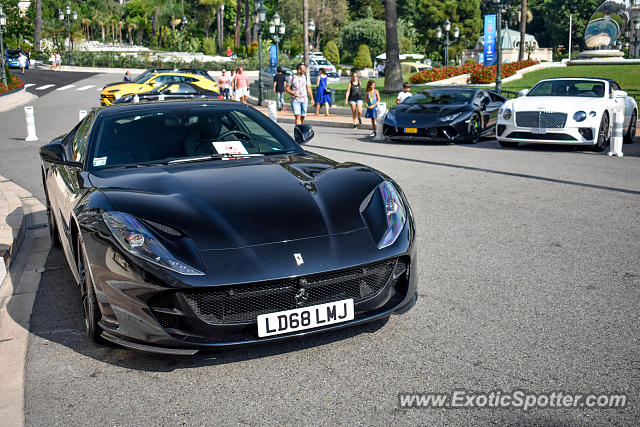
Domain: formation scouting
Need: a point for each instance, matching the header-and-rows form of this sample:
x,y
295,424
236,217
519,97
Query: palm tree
x,y
86,22
247,23
236,41
132,25
393,73
214,5
38,25
523,28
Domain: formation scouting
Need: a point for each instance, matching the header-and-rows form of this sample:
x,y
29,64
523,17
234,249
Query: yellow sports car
x,y
154,81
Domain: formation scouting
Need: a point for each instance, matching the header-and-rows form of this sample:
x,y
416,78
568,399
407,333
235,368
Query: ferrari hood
x,y
240,203
568,104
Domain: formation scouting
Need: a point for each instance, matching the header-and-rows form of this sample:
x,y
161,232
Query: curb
x,y
17,295
16,99
12,224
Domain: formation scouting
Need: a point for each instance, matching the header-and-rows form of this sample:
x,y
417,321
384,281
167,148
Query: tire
x,y
53,227
631,131
508,144
603,134
473,131
89,302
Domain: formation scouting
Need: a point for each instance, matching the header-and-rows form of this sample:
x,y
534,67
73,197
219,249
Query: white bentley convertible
x,y
570,111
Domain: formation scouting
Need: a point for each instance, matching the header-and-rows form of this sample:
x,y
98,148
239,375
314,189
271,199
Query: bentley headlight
x,y
579,116
385,214
449,117
136,239
506,114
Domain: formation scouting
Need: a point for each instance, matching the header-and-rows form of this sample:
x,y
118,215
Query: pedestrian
x,y
298,88
127,77
279,82
242,85
22,61
223,82
406,93
232,85
354,98
52,59
380,69
372,99
58,61
228,52
323,93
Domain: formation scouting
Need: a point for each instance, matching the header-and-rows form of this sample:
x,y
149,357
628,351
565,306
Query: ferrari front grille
x,y
540,119
243,303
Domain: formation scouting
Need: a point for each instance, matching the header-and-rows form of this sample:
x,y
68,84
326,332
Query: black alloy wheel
x,y
89,301
473,131
603,133
631,131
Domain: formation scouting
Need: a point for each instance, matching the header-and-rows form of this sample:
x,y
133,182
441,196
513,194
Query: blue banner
x,y
273,54
490,56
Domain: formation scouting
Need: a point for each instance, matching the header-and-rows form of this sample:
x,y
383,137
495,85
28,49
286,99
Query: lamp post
x,y
259,17
312,28
635,40
498,4
66,17
276,31
220,27
447,42
3,22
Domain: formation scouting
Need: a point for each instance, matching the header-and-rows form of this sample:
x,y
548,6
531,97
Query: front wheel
x,y
473,131
603,133
89,301
631,131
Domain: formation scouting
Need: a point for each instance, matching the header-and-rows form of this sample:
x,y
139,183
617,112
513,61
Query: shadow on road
x,y
57,317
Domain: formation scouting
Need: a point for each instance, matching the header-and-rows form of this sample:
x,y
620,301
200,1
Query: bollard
x,y
615,146
136,98
82,114
31,124
382,112
160,97
273,111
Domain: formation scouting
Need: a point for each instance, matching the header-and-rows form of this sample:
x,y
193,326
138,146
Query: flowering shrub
x,y
13,82
478,73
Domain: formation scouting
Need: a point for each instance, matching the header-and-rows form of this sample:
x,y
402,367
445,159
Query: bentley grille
x,y
540,119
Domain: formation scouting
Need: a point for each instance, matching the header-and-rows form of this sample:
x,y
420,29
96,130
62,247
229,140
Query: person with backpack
x,y
279,82
298,88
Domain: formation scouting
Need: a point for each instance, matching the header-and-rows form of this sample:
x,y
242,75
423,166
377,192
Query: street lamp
x,y
3,22
259,17
636,39
67,17
499,44
312,28
220,28
276,30
447,42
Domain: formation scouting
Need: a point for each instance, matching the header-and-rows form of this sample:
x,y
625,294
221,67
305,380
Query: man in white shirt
x,y
22,60
406,93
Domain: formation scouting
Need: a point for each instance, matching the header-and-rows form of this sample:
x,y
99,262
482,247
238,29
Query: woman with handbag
x,y
323,94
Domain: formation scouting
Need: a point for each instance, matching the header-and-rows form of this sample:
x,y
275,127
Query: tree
x,y
366,8
236,40
247,24
38,25
523,29
331,52
553,27
393,73
368,31
363,58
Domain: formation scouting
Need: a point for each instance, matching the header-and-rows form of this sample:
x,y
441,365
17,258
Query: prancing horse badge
x,y
298,258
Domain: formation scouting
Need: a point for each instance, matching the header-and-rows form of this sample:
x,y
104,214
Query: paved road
x,y
42,81
529,278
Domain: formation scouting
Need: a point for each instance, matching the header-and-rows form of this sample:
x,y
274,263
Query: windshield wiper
x,y
215,157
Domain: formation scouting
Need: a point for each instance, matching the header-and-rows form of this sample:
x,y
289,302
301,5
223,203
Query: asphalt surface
x,y
41,81
529,279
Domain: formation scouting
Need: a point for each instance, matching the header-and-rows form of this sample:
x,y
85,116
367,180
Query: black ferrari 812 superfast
x,y
461,115
191,225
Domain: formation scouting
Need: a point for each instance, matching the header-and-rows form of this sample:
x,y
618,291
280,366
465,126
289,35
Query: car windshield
x,y
580,88
183,133
141,80
12,53
442,97
322,62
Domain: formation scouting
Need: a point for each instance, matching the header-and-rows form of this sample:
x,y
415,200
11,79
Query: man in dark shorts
x,y
279,81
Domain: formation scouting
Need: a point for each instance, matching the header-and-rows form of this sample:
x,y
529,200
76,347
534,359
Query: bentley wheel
x,y
53,228
473,132
631,132
603,133
89,301
508,144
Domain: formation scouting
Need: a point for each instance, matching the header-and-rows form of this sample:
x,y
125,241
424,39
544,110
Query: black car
x,y
199,224
171,91
142,76
444,115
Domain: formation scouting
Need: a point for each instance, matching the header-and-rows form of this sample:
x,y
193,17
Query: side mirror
x,y
619,94
523,92
303,134
54,153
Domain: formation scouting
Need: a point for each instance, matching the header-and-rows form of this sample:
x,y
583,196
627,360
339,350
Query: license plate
x,y
299,319
539,131
410,130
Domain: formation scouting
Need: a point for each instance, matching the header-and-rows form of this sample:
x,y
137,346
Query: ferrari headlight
x,y
136,239
449,117
579,116
506,114
385,214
